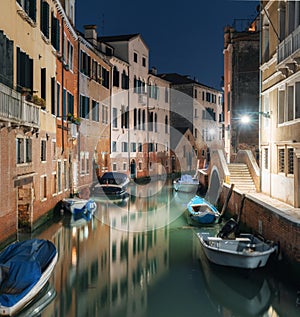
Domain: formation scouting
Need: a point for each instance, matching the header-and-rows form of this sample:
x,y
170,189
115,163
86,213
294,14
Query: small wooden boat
x,y
243,250
25,268
202,211
112,184
186,183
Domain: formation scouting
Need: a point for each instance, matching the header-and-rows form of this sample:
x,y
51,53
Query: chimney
x,y
90,34
153,70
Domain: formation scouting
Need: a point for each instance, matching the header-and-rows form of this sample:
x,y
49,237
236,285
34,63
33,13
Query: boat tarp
x,y
21,266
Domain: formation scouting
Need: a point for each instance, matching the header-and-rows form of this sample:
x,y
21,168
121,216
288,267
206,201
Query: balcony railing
x,y
289,45
16,110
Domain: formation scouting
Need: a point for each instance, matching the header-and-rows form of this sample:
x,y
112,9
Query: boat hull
x,y
225,253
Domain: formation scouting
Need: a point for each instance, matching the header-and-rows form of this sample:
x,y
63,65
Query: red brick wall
x,y
271,224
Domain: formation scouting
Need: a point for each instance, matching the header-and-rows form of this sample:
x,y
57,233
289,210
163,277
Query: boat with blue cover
x,y
202,211
78,206
25,268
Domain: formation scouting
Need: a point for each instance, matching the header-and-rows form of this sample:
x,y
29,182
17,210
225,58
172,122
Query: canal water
x,y
140,257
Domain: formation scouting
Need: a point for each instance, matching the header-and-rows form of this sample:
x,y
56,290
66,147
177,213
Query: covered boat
x,y
202,211
25,268
242,250
112,184
186,183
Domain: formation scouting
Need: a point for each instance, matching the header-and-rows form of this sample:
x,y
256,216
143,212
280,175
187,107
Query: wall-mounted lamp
x,y
47,136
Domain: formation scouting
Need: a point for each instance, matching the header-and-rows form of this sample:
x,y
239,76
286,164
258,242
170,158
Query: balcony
x,y
288,51
16,111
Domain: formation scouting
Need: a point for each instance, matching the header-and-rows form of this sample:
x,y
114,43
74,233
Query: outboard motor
x,y
229,227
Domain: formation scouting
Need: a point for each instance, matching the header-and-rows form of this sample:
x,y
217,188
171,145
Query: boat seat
x,y
243,240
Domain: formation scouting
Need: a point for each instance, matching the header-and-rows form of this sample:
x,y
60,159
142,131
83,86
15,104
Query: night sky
x,y
183,36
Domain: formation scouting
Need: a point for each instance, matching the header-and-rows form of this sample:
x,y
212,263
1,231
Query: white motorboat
x,y
243,250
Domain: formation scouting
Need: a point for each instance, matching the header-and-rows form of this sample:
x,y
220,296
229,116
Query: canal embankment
x,y
274,220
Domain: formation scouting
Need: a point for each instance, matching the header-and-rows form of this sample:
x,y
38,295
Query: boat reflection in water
x,y
235,291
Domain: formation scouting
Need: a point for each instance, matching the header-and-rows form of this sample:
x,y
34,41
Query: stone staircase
x,y
241,177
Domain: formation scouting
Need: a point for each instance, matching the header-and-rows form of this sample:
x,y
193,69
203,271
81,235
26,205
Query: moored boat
x,y
202,211
78,206
186,183
112,184
242,250
25,267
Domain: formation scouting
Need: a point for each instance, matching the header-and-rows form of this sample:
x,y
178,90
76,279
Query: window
x,y
281,103
133,147
24,70
6,60
124,117
114,146
23,150
135,57
55,32
116,77
66,175
54,183
140,147
43,83
166,94
84,163
105,78
84,107
54,150
290,101
114,167
266,158
166,124
29,6
64,105
134,118
44,18
59,175
43,151
124,147
43,187
144,61
281,160
85,63
125,80
115,118
70,52
58,112
70,103
195,94
104,114
124,166
95,111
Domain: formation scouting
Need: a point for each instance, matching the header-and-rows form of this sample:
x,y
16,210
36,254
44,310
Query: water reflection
x,y
138,257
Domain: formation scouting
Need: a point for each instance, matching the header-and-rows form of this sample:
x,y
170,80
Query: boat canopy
x,y
21,266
